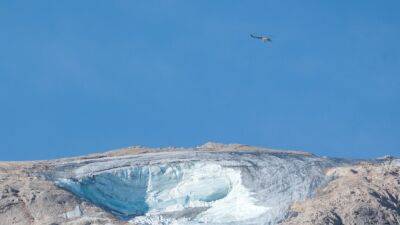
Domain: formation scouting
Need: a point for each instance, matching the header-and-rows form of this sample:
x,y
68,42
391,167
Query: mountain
x,y
211,184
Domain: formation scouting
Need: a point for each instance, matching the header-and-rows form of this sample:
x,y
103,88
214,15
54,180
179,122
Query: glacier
x,y
197,186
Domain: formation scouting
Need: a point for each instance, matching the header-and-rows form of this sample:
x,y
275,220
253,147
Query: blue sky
x,y
78,77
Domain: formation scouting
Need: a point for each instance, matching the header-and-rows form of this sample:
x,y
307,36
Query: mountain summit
x,y
209,184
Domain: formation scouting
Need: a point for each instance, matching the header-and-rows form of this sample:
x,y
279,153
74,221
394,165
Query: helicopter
x,y
263,38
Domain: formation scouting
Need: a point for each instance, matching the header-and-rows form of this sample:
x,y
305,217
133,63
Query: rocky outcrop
x,y
26,197
366,193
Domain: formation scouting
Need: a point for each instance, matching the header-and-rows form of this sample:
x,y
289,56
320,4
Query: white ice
x,y
219,188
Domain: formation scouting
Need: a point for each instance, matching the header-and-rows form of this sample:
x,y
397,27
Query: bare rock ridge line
x,y
209,184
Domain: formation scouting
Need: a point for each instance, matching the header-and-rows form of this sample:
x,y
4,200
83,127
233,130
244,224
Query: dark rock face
x,y
332,218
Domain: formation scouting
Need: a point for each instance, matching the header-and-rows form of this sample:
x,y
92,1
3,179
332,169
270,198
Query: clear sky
x,y
78,77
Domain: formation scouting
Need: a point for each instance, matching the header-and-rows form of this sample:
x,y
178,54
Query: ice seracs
x,y
236,186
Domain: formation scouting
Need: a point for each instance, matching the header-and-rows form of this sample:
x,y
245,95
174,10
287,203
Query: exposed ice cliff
x,y
231,186
211,184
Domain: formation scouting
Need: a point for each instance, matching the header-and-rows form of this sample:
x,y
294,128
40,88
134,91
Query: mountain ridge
x,y
322,190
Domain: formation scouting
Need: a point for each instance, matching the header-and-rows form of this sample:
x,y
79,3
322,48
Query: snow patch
x,y
77,212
